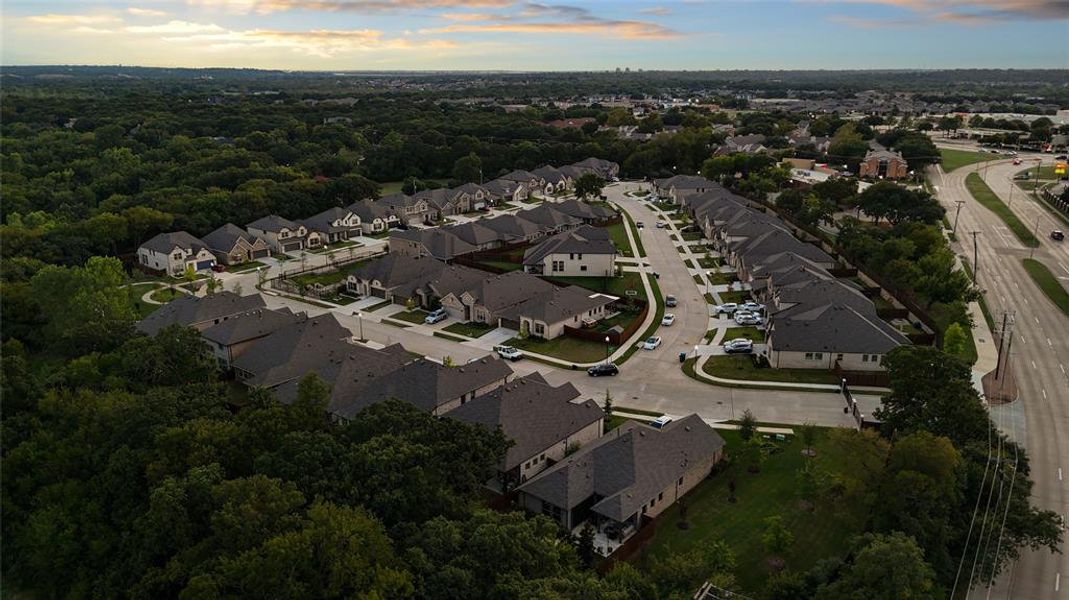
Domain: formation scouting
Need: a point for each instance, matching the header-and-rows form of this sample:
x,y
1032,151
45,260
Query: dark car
x,y
603,369
219,268
1057,235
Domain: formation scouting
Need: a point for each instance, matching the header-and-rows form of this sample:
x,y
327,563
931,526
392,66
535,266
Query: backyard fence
x,y
616,337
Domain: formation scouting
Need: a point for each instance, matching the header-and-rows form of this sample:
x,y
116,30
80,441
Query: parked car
x,y
668,319
660,224
603,369
219,268
669,300
747,318
436,316
751,306
640,225
1060,157
1016,161
1021,176
739,346
652,343
1057,235
660,421
508,353
725,309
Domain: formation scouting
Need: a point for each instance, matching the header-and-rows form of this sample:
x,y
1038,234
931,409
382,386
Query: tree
x,y
468,168
588,185
776,538
747,425
607,406
684,572
954,340
753,454
807,433
447,361
887,567
585,547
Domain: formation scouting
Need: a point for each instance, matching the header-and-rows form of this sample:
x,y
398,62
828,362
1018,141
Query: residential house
x,y
549,219
230,338
199,313
505,190
374,217
437,242
173,253
543,422
678,187
410,210
425,384
476,234
555,180
283,235
473,195
584,252
585,212
831,335
530,181
513,228
606,169
884,164
444,202
625,478
751,252
232,245
290,352
742,144
333,225
399,277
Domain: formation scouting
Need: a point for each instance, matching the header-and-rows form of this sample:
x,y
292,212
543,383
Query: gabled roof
x,y
502,187
226,237
468,188
272,223
188,310
512,227
368,210
559,304
531,413
519,175
438,198
324,221
422,383
884,154
595,163
164,243
548,217
573,171
803,295
550,174
584,210
685,182
627,467
399,273
250,325
437,241
295,350
833,327
585,240
777,241
474,233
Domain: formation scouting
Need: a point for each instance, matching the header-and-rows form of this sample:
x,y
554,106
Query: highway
x,y
1039,355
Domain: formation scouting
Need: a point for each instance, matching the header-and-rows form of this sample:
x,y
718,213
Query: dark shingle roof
x,y
438,242
833,327
548,217
272,223
250,325
532,413
585,240
166,242
226,237
190,310
295,350
584,210
627,467
324,221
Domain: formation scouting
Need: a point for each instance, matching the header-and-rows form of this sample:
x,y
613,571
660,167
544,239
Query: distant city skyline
x,y
530,36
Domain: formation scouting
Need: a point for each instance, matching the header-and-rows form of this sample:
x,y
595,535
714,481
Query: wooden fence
x,y
615,337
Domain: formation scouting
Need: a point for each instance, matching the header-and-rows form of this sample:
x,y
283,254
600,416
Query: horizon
x,y
518,36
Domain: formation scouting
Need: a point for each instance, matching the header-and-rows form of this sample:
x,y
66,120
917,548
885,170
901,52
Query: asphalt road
x,y
1040,357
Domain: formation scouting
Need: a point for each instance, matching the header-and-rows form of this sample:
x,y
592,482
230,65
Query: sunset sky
x,y
503,34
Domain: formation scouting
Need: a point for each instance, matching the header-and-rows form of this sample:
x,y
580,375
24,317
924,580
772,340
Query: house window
x,y
571,256
660,496
582,267
839,356
540,328
543,457
680,482
864,358
814,355
580,256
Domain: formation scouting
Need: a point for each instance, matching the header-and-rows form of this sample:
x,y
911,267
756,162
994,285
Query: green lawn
x,y
718,278
618,235
336,247
1045,172
659,299
563,347
623,319
165,294
691,236
1046,281
820,533
415,316
751,333
954,159
710,263
616,286
986,197
740,366
375,307
245,267
320,278
143,308
946,314
504,266
473,330
736,296
447,336
634,233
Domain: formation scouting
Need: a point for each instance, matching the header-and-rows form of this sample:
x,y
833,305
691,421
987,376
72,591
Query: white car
x,y
660,421
747,318
751,306
668,319
436,316
508,353
652,344
739,345
726,309
660,224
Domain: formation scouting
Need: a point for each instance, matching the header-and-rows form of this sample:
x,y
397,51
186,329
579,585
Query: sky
x,y
529,36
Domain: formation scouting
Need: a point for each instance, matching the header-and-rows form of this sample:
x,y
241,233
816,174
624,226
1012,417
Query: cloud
x,y
963,12
317,42
470,16
176,28
146,12
555,19
656,10
62,20
357,6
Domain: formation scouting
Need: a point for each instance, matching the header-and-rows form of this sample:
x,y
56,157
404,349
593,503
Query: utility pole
x,y
957,214
1035,230
1001,339
975,258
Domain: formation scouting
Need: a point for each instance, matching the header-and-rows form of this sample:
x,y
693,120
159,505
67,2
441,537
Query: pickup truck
x,y
508,353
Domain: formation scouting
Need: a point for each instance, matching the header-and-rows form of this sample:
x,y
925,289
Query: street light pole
x,y
957,214
606,349
360,321
975,258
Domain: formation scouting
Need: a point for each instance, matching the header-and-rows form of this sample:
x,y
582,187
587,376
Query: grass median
x,y
983,194
955,159
1047,282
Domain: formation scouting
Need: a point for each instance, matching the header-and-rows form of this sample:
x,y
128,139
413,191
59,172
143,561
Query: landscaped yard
x,y
820,533
245,267
1045,172
616,286
983,194
691,236
740,366
473,330
500,264
410,316
339,247
563,347
634,232
1046,281
165,294
954,159
717,278
736,296
710,263
375,307
623,319
750,333
618,235
320,278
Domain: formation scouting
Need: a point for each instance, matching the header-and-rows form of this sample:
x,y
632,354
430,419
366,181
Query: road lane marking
x,y
1033,364
1044,393
1049,344
1062,367
1016,285
1037,320
1059,473
1057,581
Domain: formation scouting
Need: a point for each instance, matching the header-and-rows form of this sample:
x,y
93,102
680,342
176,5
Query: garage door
x,y
260,253
205,264
291,247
